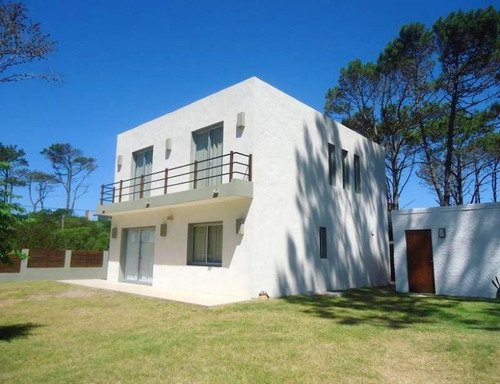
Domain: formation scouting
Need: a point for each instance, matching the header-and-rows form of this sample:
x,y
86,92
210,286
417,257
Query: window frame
x,y
323,243
357,173
191,244
345,169
332,165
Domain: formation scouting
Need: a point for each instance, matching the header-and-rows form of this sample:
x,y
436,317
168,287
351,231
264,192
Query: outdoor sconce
x,y
168,147
240,226
114,233
442,233
119,162
163,230
240,120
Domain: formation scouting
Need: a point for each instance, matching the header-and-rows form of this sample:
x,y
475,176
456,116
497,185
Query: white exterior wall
x,y
279,252
293,198
466,260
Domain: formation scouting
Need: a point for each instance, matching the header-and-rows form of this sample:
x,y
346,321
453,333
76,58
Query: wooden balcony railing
x,y
213,171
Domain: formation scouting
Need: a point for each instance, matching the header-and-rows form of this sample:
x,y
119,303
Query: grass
x,y
56,333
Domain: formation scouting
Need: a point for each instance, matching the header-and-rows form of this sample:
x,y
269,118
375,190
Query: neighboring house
x,y
448,250
247,190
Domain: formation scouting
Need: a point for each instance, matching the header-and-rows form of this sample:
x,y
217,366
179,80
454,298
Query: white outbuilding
x,y
448,250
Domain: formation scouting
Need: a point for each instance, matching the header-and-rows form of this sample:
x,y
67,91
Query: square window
x,y
205,244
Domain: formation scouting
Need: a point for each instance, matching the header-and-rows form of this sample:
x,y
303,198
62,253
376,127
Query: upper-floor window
x,y
208,155
142,169
357,174
345,169
332,166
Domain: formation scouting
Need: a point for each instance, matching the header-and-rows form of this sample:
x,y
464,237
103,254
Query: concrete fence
x,y
56,265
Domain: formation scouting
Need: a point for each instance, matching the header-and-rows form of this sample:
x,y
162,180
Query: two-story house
x,y
247,190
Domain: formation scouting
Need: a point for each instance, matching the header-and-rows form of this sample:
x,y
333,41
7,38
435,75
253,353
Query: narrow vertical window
x,y
322,242
345,169
357,174
331,164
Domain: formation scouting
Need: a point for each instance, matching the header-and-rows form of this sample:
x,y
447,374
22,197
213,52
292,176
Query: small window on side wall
x,y
332,167
357,174
322,242
345,169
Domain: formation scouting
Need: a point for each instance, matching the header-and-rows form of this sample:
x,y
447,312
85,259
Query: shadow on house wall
x,y
356,223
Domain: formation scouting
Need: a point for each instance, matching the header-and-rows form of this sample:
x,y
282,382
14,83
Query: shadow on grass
x,y
387,308
14,331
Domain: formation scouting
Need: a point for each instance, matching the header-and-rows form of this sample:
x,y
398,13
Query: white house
x,y
448,250
247,190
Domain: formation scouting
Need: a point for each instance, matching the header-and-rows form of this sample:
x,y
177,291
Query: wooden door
x,y
420,261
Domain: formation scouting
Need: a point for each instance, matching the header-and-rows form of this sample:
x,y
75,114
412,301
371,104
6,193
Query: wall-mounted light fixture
x,y
114,233
240,226
163,230
119,162
240,120
168,147
442,233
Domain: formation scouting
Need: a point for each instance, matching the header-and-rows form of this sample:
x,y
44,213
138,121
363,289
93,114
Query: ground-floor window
x,y
205,244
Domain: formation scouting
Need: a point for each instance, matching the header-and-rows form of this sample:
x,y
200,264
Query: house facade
x,y
448,250
247,190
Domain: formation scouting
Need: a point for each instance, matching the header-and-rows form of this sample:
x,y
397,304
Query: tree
x,y
71,170
21,42
375,100
10,219
40,185
428,98
468,48
12,162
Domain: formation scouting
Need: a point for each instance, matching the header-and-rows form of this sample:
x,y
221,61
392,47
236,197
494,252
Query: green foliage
x,y
429,97
57,230
12,162
10,219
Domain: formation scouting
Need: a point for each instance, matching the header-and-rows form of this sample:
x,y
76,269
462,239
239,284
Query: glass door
x,y
139,255
143,167
208,148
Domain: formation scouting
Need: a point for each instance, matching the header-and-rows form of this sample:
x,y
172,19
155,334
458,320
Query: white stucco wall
x,y
292,198
466,260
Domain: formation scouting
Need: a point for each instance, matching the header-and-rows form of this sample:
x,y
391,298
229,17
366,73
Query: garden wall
x,y
56,265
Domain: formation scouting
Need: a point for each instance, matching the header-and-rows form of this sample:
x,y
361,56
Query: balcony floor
x,y
236,189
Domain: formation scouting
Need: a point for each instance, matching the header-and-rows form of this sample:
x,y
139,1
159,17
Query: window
x,y
208,155
345,169
143,167
332,171
205,244
322,242
357,174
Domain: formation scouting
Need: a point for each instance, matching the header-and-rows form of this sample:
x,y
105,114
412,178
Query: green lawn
x,y
56,333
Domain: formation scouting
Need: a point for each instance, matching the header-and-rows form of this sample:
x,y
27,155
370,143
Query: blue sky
x,y
127,62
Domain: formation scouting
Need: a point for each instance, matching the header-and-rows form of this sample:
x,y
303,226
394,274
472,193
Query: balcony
x,y
223,177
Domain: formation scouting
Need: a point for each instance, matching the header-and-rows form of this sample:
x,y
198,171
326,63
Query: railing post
x,y
141,187
231,159
102,194
113,197
195,174
166,182
250,167
120,192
